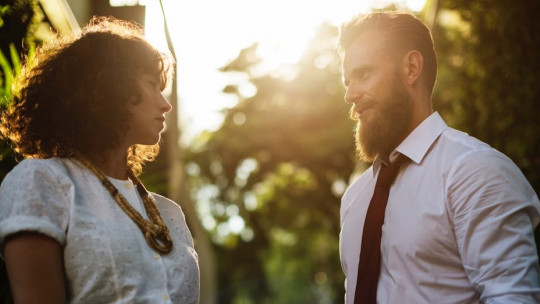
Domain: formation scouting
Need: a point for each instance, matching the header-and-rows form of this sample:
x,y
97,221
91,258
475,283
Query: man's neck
x,y
417,119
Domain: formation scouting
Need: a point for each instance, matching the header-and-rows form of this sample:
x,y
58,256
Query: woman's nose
x,y
165,104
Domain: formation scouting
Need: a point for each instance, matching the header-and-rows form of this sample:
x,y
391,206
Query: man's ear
x,y
413,63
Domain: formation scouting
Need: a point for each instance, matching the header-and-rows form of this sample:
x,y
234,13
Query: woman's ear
x,y
413,62
133,100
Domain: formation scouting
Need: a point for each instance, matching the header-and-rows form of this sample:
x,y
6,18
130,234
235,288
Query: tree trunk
x,y
179,191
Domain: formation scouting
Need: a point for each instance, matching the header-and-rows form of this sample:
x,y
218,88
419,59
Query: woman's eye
x,y
154,84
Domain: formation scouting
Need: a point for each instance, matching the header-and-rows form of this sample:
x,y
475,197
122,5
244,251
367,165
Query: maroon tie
x,y
370,253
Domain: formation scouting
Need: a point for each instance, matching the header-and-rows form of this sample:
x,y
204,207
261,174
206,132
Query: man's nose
x,y
352,94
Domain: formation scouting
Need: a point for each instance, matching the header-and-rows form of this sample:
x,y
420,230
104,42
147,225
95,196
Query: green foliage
x,y
489,77
19,20
11,69
9,73
284,154
276,159
16,42
17,45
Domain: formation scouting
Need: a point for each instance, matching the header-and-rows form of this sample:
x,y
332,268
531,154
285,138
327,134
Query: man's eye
x,y
361,75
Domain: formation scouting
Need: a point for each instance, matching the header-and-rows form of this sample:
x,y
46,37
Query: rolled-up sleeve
x,y
35,196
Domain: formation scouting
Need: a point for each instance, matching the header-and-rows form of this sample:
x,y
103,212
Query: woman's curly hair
x,y
74,95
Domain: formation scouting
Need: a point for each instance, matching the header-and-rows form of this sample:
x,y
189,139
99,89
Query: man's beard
x,y
387,127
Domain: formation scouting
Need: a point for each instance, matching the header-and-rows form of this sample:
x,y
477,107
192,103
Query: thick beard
x,y
388,126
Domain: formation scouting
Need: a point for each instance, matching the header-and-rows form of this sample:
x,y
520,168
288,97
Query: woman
x,y
76,225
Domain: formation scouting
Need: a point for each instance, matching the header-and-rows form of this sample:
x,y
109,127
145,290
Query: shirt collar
x,y
417,143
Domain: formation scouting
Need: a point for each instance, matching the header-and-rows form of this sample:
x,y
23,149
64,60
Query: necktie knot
x,y
387,174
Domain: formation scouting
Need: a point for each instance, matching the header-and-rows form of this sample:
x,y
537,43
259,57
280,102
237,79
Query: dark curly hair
x,y
73,95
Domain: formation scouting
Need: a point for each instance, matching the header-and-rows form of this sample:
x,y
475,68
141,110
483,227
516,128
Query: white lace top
x,y
106,257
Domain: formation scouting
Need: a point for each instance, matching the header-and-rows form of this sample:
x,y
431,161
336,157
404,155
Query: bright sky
x,y
207,34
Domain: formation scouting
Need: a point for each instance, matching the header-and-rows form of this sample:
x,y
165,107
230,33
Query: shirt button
x,y
156,256
127,185
165,296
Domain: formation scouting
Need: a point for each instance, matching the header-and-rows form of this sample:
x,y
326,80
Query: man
x,y
459,218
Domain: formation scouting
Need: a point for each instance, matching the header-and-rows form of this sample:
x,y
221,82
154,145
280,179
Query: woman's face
x,y
147,119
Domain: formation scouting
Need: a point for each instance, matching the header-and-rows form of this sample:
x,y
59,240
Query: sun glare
x,y
207,34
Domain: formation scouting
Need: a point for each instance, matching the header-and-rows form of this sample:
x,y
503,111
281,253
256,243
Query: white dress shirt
x,y
458,226
106,257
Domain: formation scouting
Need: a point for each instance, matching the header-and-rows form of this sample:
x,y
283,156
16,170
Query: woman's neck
x,y
113,164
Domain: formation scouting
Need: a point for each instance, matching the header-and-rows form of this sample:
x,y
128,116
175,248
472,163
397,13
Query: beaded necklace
x,y
154,230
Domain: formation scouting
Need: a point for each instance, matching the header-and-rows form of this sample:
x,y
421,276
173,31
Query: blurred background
x,y
259,148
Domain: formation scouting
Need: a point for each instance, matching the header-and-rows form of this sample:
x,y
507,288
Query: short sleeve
x,y
36,196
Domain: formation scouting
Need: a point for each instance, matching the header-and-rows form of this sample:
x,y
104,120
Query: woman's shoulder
x,y
38,170
41,165
165,204
163,201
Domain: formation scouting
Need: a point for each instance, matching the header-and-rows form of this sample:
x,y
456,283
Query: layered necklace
x,y
154,230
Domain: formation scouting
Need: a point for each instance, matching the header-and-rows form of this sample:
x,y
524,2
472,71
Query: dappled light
x,y
282,29
295,132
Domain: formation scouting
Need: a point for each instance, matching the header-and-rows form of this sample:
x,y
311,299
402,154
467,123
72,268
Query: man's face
x,y
380,102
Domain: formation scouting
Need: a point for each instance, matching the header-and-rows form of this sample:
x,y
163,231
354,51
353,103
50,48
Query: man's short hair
x,y
404,32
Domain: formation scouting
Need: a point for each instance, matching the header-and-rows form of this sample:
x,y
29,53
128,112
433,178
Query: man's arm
x,y
34,264
495,211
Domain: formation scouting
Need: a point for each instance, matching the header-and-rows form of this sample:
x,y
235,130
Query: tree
x,y
175,186
489,75
281,152
280,161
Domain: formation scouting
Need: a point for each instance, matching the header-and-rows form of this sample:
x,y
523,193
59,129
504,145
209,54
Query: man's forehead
x,y
366,43
357,58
